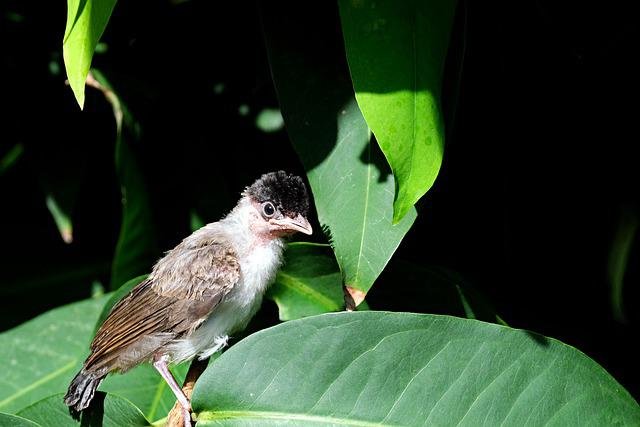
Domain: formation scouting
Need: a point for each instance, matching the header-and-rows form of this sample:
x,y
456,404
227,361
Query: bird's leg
x,y
160,363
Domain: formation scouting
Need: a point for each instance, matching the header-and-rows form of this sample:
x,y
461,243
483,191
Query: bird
x,y
205,289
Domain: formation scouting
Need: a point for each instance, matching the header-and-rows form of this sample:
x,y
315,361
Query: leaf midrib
x,y
289,416
364,216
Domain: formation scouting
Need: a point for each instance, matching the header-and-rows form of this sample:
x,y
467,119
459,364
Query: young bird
x,y
203,290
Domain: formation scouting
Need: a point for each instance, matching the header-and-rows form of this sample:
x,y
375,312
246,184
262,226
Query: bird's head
x,y
281,204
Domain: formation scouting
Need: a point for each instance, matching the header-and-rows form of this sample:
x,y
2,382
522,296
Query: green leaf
x,y
42,355
402,369
309,282
62,218
61,169
8,420
396,53
350,180
86,21
136,247
105,411
10,157
625,234
144,387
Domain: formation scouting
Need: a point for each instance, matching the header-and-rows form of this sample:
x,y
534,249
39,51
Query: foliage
x,y
380,368
352,96
86,21
396,57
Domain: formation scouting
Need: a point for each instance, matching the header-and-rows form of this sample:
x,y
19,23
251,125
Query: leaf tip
x,y
79,95
75,79
400,209
67,235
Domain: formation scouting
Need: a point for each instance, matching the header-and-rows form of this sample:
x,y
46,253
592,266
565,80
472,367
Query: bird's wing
x,y
178,296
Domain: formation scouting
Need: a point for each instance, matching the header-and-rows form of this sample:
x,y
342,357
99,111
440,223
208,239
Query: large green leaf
x,y
42,356
401,369
136,247
350,180
8,420
309,282
86,21
396,53
105,411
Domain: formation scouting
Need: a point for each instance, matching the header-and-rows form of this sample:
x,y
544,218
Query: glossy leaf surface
x,y
401,369
105,411
86,21
352,185
396,53
308,283
44,354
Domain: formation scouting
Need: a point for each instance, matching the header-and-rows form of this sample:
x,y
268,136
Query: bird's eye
x,y
268,209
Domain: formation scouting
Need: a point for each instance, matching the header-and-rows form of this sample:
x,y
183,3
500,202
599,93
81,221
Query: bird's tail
x,y
82,388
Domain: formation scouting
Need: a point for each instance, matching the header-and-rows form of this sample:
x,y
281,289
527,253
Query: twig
x,y
174,419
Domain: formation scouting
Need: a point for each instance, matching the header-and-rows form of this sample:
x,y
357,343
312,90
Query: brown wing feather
x,y
179,295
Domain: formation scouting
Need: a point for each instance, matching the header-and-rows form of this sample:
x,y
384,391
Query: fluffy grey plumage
x,y
207,287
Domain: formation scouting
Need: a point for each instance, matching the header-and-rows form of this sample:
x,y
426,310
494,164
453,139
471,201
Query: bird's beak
x,y
299,223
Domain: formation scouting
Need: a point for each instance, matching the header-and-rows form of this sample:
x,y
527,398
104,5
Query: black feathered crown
x,y
286,191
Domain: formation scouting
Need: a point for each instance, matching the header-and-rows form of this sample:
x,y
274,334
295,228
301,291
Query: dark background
x,y
539,168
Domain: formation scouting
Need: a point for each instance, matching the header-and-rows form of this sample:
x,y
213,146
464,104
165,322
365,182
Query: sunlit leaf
x,y
86,21
401,369
396,53
352,186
